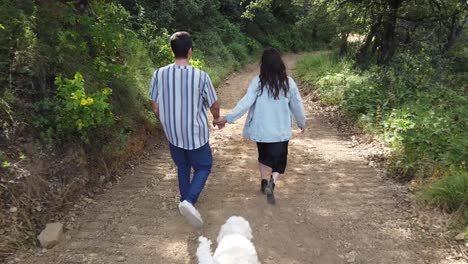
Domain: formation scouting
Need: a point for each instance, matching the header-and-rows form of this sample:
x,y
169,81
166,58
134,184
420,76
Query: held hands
x,y
220,122
299,132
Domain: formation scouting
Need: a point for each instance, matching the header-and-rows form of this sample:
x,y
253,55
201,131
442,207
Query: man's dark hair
x,y
181,42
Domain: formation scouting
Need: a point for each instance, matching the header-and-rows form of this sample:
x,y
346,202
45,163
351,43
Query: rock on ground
x,y
51,235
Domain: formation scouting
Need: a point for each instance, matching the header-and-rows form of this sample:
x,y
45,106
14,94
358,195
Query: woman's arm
x,y
245,103
296,106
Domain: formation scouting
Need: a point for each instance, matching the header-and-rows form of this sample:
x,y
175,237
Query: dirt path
x,y
331,207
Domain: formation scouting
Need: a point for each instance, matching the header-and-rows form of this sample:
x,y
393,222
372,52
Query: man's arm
x,y
153,93
214,109
156,109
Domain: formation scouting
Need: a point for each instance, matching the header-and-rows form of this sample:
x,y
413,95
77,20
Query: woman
x,y
272,100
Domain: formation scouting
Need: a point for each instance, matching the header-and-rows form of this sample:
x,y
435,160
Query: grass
x,y
450,192
328,73
313,66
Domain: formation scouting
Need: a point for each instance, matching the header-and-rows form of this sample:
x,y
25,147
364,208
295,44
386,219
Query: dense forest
x,y
74,76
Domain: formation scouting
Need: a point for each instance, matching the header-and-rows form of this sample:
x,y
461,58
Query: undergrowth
x,y
415,107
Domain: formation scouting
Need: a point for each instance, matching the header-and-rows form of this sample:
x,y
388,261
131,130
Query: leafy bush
x,y
239,52
78,113
450,191
314,66
410,107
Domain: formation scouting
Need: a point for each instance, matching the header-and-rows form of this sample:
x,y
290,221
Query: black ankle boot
x,y
270,187
269,192
263,185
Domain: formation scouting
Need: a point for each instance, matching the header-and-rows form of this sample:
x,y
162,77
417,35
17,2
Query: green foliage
x,y
316,65
78,113
450,191
408,105
329,74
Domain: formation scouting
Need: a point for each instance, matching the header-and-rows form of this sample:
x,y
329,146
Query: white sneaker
x,y
191,214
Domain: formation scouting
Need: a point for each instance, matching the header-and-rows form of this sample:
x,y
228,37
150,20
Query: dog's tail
x,y
204,251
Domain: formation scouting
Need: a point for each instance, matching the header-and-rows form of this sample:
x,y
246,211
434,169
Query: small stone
x,y
351,257
460,237
51,235
13,209
17,259
88,200
121,259
44,250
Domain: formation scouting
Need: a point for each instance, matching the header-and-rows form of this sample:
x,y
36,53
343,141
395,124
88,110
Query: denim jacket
x,y
269,120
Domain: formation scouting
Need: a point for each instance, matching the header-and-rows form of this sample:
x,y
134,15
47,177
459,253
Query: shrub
x,y
450,191
411,108
78,113
239,52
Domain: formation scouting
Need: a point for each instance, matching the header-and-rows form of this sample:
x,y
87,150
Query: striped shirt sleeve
x,y
209,93
153,89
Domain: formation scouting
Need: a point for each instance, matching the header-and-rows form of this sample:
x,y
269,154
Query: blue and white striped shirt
x,y
184,95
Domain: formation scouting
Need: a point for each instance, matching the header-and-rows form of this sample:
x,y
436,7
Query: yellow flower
x,y
75,97
84,102
90,100
105,91
80,124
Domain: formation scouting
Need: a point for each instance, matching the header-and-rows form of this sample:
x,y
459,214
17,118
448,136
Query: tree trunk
x,y
344,44
82,6
388,44
363,54
314,32
306,7
455,31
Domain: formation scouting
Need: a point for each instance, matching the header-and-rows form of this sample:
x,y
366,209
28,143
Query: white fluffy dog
x,y
234,245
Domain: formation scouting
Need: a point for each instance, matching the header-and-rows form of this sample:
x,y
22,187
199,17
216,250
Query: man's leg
x,y
201,160
181,159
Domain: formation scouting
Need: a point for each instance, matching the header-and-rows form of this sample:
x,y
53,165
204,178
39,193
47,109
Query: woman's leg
x,y
281,160
275,176
264,171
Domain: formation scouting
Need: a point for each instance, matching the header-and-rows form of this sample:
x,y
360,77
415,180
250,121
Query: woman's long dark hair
x,y
273,73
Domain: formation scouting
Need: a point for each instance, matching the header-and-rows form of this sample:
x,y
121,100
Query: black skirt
x,y
273,155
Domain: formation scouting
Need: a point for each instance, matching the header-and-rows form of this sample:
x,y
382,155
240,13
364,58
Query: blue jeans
x,y
201,161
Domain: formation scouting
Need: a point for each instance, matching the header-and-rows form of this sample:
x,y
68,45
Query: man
x,y
181,95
